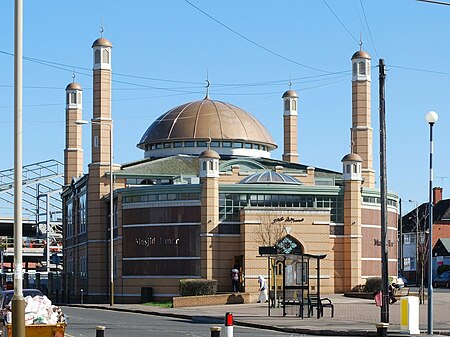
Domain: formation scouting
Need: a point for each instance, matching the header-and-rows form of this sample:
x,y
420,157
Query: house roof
x,y
442,247
441,215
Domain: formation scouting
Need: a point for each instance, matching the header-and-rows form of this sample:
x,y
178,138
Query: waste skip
x,y
42,319
40,330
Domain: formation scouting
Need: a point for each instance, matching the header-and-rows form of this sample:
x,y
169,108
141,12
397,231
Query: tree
x,y
420,220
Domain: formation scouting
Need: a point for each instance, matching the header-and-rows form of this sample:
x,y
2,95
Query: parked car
x,y
7,296
442,280
402,279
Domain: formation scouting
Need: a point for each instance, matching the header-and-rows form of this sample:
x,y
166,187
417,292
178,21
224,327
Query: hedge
x,y
196,287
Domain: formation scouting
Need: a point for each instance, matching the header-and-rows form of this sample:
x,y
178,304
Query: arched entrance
x,y
289,275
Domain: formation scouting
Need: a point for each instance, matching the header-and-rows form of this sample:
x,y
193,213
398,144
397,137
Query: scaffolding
x,y
42,206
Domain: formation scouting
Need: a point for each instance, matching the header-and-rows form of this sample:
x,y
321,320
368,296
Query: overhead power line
x,y
436,2
421,70
368,28
342,24
253,42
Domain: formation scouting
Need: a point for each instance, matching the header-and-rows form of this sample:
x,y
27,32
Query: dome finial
x,y
208,83
101,28
209,139
73,77
360,42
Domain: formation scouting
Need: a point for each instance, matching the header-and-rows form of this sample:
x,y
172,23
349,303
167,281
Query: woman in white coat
x,y
262,290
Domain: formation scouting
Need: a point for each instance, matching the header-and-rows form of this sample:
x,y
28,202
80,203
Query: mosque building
x,y
207,194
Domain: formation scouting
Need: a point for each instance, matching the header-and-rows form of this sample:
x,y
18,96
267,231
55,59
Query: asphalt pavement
x,y
352,316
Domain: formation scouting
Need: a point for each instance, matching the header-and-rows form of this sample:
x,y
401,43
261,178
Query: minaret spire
x,y
208,83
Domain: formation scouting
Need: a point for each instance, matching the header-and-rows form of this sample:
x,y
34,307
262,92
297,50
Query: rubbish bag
x,y
378,299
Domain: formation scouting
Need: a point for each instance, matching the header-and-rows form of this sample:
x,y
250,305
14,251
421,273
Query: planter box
x,y
356,294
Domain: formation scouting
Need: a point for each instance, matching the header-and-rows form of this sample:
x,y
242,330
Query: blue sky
x,y
163,51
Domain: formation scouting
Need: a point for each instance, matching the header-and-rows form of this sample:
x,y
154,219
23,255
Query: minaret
x,y
209,213
290,116
73,153
361,131
352,174
102,101
99,182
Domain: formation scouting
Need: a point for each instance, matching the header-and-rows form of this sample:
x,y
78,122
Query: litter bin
x,y
146,294
409,315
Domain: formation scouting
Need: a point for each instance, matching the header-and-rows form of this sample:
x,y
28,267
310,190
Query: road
x,y
82,323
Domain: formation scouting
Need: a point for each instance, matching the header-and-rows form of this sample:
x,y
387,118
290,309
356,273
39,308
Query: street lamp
x,y
431,118
111,204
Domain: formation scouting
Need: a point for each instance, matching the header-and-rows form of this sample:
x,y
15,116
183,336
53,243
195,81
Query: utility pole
x,y
18,302
400,240
383,192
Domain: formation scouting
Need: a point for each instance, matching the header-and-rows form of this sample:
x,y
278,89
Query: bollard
x,y
382,329
215,331
81,291
100,331
228,324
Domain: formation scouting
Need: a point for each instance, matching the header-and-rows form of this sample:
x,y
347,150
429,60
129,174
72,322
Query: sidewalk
x,y
352,316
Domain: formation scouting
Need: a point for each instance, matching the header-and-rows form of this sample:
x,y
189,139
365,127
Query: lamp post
x,y
111,205
431,118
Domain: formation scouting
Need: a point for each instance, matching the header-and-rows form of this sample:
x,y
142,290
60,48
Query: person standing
x,y
262,290
235,278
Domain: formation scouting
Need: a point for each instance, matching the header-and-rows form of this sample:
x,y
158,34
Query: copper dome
x,y
73,86
207,119
352,157
361,54
290,93
209,154
102,42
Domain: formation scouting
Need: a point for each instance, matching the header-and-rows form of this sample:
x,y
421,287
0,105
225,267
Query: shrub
x,y
359,288
442,268
196,287
373,284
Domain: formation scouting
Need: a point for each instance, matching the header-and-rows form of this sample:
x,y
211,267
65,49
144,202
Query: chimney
x,y
437,195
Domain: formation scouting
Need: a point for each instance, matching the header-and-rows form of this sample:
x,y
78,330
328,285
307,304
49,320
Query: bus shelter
x,y
289,281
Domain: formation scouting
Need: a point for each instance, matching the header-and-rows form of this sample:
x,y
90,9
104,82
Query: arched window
x,y
106,56
97,56
289,245
67,98
294,104
286,105
73,97
355,168
362,68
355,68
204,166
348,168
79,98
